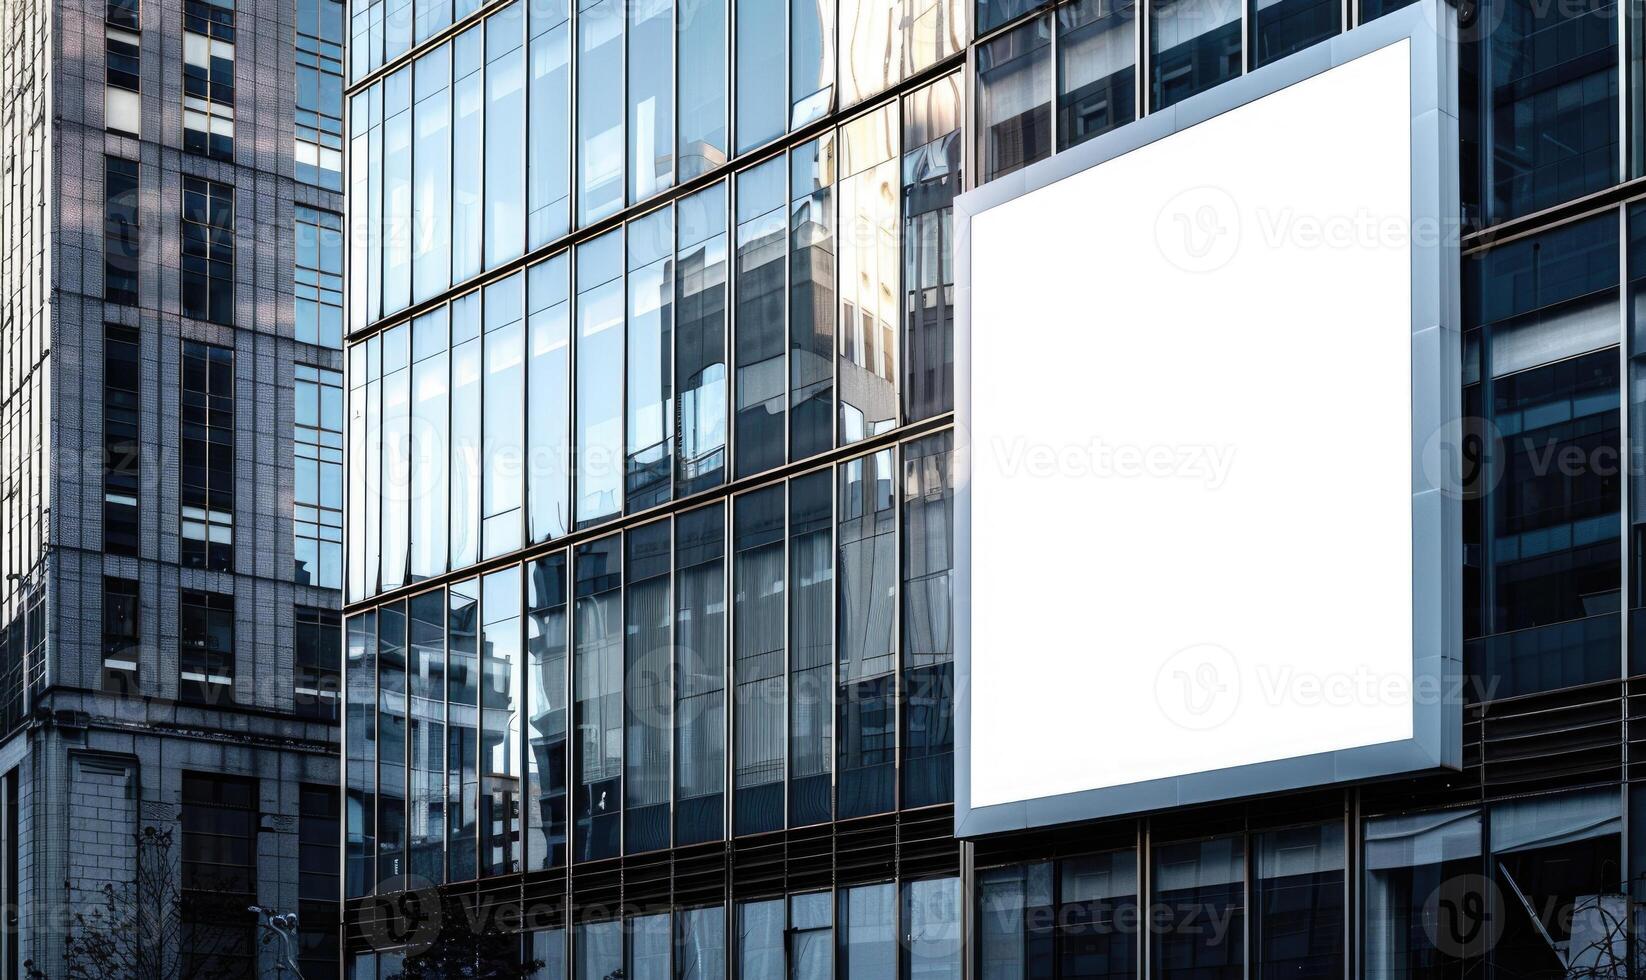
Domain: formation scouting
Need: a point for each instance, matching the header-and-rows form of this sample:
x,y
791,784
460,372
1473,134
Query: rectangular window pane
x,y
1299,899
1096,901
868,932
700,944
811,937
466,444
759,285
397,191
1195,45
1014,916
208,250
122,438
120,231
218,874
1407,859
599,950
647,683
870,261
391,742
649,938
700,675
500,722
546,714
597,689
505,134
700,341
932,151
600,144
206,457
651,96
928,644
318,275
811,60
760,74
702,30
360,717
462,730
758,591
868,560
811,298
1096,90
502,489
811,647
1280,27
760,931
548,398
317,636
548,124
426,736
468,161
931,920
395,427
430,408
599,444
650,395
1014,98
122,635
1200,882
432,188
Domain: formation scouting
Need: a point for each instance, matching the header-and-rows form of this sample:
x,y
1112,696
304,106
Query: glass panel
x,y
811,647
462,730
760,931
650,396
760,88
466,442
651,96
548,398
468,162
700,341
599,109
426,691
599,443
1014,99
867,656
548,124
1096,915
702,30
430,417
932,119
360,714
391,743
933,30
931,919
993,13
1096,90
546,712
811,937
811,298
397,191
928,646
396,503
700,675
1280,27
1195,45
759,325
868,932
1298,894
871,47
432,187
1200,886
504,423
700,944
811,60
599,950
870,260
758,591
647,683
505,134
1014,917
598,691
648,953
499,716
1408,861
547,947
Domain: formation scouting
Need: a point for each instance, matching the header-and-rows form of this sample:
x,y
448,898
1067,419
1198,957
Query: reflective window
x,y
1280,27
205,479
466,444
1298,898
547,948
647,687
396,166
546,714
1014,916
867,519
600,144
931,921
700,341
208,250
1096,90
1542,559
648,938
120,231
699,675
432,187
811,647
318,275
468,145
431,396
811,60
932,120
758,579
927,618
548,398
548,124
650,395
1194,45
597,688
122,76
760,938
870,48
599,414
1545,105
205,640
500,722
811,298
395,429
1200,885
870,260
760,101
363,507
702,32
1411,863
868,932
360,720
993,13
1014,99
317,483
599,949
208,78
758,287
318,831
505,114
426,735
462,730
503,492
811,937
1096,909
700,944
319,103
391,741
651,96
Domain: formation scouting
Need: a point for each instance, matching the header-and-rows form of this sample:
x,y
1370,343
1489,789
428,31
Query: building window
x,y
121,636
318,828
1298,895
1200,881
219,880
120,231
208,78
320,93
317,494
208,250
122,438
122,102
123,13
206,484
1014,98
319,276
317,635
205,660
1195,45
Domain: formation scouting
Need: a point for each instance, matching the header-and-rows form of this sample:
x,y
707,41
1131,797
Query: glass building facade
x,y
649,502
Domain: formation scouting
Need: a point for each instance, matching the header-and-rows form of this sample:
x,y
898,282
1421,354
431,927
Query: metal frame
x,y
1436,395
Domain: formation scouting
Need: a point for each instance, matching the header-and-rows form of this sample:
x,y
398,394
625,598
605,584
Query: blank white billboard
x,y
1191,444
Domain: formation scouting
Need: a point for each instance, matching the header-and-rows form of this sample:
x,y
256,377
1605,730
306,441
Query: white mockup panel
x,y
1191,448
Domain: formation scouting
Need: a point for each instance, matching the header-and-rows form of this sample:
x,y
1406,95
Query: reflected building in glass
x,y
650,385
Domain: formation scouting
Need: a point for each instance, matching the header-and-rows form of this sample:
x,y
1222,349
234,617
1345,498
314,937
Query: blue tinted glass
x,y
762,106
597,692
600,110
548,127
505,133
651,97
759,323
702,86
599,443
646,687
432,176
548,398
1195,45
699,675
546,712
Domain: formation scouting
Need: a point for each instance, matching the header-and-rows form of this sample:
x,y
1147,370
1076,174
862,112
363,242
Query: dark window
x,y
208,78
1095,87
121,636
122,424
811,647
812,263
120,231
993,13
1196,45
318,826
928,649
205,660
597,692
123,13
1075,919
758,344
867,736
360,714
931,179
462,730
391,742
546,714
426,734
699,675
1280,27
121,66
317,638
1297,895
758,581
219,875
206,481
317,491
1198,922
208,250
647,688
